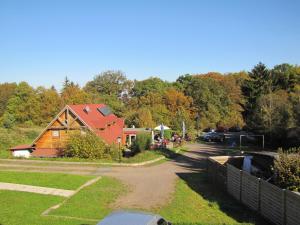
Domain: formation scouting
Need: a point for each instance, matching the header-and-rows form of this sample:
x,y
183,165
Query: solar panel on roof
x,y
105,111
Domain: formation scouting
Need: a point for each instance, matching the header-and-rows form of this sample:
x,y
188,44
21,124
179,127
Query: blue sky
x,y
44,41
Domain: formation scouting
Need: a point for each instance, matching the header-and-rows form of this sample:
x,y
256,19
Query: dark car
x,y
235,129
133,218
214,136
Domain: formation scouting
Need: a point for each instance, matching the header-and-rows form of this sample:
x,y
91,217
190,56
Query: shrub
x,y
89,146
142,142
287,169
168,134
16,136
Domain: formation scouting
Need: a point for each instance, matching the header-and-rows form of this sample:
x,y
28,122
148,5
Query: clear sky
x,y
41,42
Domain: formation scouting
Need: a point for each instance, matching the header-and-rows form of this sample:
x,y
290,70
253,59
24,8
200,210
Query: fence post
x,y
241,183
259,195
284,206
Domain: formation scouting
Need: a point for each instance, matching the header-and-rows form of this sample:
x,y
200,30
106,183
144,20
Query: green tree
x,y
22,107
258,84
152,84
112,83
6,91
209,99
285,76
274,114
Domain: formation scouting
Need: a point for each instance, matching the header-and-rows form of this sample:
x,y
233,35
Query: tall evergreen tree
x,y
258,84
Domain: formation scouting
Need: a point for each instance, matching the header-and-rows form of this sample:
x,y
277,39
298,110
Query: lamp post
x,y
119,143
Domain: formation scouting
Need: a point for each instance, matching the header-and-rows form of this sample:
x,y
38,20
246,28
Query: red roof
x,y
108,127
21,147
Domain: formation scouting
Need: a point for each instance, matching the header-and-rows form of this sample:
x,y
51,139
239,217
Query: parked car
x,y
214,136
235,129
133,218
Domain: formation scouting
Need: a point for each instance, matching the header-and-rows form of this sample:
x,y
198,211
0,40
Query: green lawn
x,y
94,201
25,208
63,181
196,202
91,202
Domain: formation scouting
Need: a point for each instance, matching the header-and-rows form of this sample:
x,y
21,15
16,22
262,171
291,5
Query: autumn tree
x,y
142,118
50,104
72,94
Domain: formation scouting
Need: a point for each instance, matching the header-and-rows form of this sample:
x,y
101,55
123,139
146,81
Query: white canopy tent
x,y
159,127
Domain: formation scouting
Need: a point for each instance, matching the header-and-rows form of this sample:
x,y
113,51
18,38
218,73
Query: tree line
x,y
263,100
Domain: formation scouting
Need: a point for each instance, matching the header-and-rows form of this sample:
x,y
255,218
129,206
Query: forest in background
x,y
263,100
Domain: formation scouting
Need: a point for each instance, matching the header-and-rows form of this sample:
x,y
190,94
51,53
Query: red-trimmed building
x,y
73,118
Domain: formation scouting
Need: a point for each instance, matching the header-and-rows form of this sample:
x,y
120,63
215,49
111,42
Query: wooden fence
x,y
279,206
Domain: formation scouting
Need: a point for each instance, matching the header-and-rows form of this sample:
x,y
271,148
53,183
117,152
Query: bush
x,y
287,169
142,142
168,134
16,136
89,146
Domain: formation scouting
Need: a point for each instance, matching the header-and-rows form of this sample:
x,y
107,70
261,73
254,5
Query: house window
x,y
55,133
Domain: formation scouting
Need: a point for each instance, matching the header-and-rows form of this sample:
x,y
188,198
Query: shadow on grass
x,y
215,195
196,178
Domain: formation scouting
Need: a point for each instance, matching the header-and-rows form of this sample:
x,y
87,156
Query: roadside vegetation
x,y
287,169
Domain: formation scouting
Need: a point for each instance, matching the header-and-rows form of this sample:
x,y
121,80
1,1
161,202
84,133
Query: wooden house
x,y
52,141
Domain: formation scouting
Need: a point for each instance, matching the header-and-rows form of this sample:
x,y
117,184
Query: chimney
x,y
87,109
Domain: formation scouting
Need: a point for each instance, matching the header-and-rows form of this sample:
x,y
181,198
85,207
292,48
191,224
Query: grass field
x,y
53,180
92,202
196,202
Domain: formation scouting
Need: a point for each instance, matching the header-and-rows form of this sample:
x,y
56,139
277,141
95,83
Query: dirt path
x,y
149,187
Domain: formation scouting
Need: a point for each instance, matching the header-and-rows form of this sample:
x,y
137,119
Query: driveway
x,y
149,187
152,186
